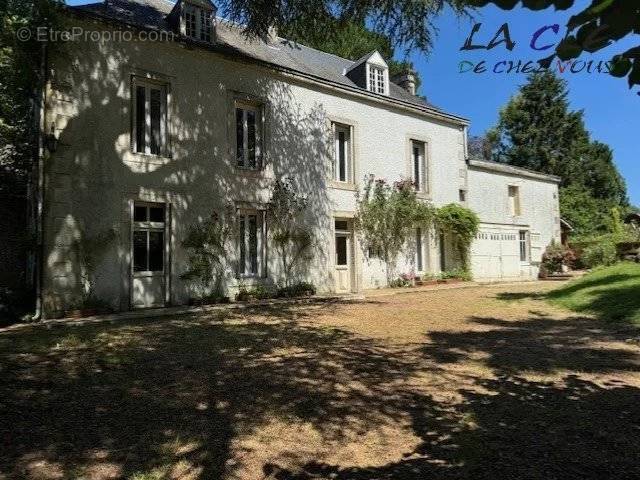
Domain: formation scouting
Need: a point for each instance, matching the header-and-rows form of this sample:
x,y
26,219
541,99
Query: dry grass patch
x,y
482,383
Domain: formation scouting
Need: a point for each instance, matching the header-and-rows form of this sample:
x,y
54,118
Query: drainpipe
x,y
39,194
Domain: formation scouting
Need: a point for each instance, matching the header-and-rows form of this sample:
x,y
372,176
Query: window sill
x,y
249,172
343,186
148,158
423,195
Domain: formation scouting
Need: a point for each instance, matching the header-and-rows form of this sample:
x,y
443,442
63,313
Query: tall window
x,y
148,237
514,200
419,251
418,165
342,164
376,79
524,247
198,23
248,139
250,243
150,118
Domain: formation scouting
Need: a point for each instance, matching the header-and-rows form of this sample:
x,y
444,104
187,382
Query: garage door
x,y
495,254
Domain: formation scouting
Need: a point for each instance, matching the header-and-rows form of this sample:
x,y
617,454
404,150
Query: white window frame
x,y
148,227
338,128
377,79
242,220
243,163
202,23
419,183
515,205
149,85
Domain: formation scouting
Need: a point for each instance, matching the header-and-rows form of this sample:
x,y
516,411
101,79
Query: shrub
x,y
400,282
601,254
457,273
301,289
554,257
259,292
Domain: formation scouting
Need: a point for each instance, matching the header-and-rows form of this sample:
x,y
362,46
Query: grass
x,y
610,293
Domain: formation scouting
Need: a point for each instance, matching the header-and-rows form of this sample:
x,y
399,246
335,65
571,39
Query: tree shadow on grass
x,y
610,298
167,394
510,426
169,397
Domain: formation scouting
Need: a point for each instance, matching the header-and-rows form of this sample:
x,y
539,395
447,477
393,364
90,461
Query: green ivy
x,y
388,215
461,224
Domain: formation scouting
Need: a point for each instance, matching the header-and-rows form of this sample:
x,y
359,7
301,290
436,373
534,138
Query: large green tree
x,y
20,77
404,23
536,129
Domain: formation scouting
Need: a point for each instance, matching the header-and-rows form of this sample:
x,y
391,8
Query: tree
x,y
20,74
387,217
291,238
537,131
594,28
404,23
600,176
586,214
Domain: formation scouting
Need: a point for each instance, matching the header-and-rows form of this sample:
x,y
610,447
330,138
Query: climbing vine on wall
x,y
461,225
388,215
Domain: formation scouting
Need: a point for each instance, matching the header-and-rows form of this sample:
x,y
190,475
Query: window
x,y
419,251
148,237
198,23
376,79
463,196
524,247
248,138
514,200
250,243
418,165
150,118
342,164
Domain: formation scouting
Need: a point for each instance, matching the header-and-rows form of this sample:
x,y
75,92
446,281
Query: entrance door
x,y
343,256
148,254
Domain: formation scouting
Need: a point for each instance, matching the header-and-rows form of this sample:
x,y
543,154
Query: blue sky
x,y
612,111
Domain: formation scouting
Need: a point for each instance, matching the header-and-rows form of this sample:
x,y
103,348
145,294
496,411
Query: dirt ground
x,y
474,383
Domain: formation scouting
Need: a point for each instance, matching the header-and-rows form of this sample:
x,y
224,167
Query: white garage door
x,y
495,254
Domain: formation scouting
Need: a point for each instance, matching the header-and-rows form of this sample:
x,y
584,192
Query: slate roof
x,y
151,14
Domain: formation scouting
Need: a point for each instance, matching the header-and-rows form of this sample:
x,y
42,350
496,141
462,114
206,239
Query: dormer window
x,y
198,22
376,80
370,72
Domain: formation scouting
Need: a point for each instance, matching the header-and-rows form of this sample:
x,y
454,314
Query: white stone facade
x,y
94,181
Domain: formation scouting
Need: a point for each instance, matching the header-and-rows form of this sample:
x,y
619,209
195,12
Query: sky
x,y
611,110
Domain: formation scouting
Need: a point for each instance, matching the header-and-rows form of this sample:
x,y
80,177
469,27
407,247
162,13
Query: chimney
x,y
272,34
407,81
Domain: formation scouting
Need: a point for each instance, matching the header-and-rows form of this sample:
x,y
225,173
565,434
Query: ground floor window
x,y
524,247
419,251
251,243
148,237
443,253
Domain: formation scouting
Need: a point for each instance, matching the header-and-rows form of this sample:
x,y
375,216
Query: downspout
x,y
39,207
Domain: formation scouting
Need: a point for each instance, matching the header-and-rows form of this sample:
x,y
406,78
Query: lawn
x,y
476,383
611,293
